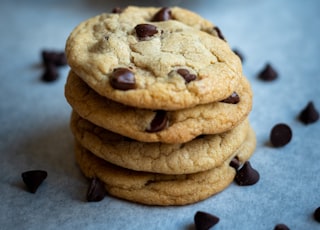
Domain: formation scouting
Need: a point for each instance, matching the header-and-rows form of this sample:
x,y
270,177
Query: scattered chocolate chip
x,y
204,220
56,58
247,175
159,122
239,54
33,179
123,79
309,114
145,30
281,227
163,14
219,33
268,73
235,163
316,214
96,190
186,75
117,10
50,73
232,99
280,135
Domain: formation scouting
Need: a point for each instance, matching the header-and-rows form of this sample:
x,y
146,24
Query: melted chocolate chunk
x,y
186,75
268,73
232,99
204,220
316,214
159,122
235,163
123,79
50,73
247,175
145,30
163,14
33,179
309,114
219,33
96,190
281,227
280,135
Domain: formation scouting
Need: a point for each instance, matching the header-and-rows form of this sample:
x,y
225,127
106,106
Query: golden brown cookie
x,y
158,126
200,154
161,189
156,63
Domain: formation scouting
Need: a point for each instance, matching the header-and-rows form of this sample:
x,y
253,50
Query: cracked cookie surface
x,y
200,154
150,55
182,125
162,189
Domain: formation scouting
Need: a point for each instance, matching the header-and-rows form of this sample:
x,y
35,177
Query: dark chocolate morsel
x,y
123,79
96,190
232,99
145,30
309,114
56,58
268,73
186,75
219,33
117,10
159,122
50,73
239,54
316,214
33,179
281,227
204,220
163,14
235,163
247,175
280,135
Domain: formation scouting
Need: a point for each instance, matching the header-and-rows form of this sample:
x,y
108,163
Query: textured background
x,y
34,116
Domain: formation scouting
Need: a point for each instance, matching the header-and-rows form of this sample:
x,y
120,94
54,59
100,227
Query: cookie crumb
x,y
96,191
247,175
204,220
268,73
280,135
309,114
33,179
281,227
316,214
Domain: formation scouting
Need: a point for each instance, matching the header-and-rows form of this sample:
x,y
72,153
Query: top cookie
x,y
146,58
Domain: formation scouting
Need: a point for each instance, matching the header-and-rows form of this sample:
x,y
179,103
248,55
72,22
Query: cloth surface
x,y
35,134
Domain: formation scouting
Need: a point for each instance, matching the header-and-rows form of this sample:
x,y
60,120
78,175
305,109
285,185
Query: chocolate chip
x,y
219,33
268,73
204,220
96,190
33,179
123,79
50,73
247,175
239,54
316,214
159,122
186,75
280,135
309,114
281,227
145,30
232,99
235,163
117,10
56,58
163,14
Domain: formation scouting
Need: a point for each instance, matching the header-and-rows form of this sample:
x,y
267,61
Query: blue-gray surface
x,y
35,134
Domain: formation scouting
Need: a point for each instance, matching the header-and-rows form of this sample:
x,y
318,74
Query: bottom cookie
x,y
162,189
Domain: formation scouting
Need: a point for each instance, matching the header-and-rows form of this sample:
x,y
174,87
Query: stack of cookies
x,y
160,105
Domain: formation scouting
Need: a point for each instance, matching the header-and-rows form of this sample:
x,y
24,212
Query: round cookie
x,y
161,189
200,154
177,126
173,64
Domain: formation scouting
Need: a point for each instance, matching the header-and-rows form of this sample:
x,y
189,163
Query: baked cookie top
x,y
203,153
144,60
145,125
